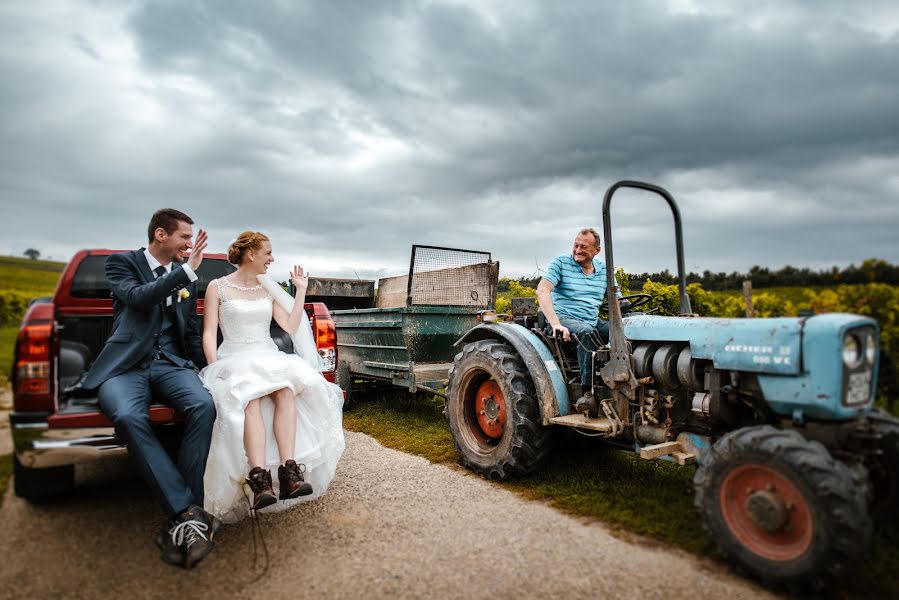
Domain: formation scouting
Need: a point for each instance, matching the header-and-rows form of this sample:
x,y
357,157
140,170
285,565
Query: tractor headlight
x,y
852,351
870,348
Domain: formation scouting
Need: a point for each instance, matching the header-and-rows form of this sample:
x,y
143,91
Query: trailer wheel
x,y
345,381
39,485
492,410
782,507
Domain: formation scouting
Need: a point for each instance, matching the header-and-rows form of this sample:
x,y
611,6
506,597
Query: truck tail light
x,y
326,342
32,374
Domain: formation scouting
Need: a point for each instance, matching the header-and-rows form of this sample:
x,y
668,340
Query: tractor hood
x,y
773,346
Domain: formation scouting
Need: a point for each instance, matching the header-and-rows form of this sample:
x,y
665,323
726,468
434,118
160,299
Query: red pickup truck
x,y
55,424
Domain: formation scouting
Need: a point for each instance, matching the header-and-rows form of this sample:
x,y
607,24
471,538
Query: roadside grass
x,y
405,424
7,347
588,479
5,474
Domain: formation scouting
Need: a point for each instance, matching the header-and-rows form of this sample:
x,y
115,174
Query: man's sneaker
x,y
290,478
194,533
187,539
171,552
587,405
260,481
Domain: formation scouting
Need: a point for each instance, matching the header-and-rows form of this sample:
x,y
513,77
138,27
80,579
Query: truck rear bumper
x,y
37,446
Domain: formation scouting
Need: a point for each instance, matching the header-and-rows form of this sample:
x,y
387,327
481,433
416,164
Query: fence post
x,y
747,296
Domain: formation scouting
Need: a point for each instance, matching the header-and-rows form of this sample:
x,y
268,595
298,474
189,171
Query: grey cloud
x,y
500,125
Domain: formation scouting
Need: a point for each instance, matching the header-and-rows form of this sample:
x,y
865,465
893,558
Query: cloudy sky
x,y
348,131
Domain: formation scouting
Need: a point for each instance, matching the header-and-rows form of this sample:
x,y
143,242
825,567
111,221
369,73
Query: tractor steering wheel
x,y
638,301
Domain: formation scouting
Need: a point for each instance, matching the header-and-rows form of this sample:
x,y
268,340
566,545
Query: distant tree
x,y
32,253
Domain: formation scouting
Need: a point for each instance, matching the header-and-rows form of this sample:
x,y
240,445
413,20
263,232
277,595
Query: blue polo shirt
x,y
577,294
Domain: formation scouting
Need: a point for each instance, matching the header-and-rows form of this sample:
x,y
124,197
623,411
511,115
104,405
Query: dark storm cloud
x,y
357,128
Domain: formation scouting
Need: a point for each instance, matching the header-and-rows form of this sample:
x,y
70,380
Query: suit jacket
x,y
138,301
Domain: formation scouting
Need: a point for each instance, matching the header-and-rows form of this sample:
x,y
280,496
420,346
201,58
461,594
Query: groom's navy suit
x,y
152,353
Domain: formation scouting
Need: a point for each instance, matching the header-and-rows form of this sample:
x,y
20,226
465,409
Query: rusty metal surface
x,y
524,307
339,294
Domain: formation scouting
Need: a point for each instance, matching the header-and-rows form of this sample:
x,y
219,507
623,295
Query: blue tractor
x,y
793,463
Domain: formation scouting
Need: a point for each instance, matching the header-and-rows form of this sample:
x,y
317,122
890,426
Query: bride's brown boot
x,y
290,478
260,481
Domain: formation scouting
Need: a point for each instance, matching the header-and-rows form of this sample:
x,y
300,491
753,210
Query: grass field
x,y
29,277
585,478
7,345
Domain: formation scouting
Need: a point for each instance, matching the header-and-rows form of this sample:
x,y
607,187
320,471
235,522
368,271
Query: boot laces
x,y
188,532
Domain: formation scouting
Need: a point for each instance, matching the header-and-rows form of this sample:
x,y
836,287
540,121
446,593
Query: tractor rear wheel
x,y
782,507
492,410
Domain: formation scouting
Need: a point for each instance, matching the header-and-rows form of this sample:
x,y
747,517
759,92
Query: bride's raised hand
x,y
300,279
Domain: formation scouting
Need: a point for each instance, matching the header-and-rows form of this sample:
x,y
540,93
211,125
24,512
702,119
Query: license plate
x,y
859,388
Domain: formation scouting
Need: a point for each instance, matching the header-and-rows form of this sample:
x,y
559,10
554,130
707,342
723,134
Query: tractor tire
x,y
344,380
492,411
41,485
883,472
781,507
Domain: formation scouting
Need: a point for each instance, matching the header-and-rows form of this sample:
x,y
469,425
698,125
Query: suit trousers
x,y
586,333
125,400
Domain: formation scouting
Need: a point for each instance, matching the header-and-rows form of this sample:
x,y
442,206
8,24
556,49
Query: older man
x,y
570,294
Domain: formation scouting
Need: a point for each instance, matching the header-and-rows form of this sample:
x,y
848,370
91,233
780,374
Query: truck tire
x,y
492,411
781,507
345,381
38,485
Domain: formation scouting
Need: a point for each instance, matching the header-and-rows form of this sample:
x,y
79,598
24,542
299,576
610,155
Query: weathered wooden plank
x,y
657,450
684,458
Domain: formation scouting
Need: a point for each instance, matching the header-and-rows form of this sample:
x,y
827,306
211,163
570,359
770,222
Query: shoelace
x,y
297,470
256,528
188,532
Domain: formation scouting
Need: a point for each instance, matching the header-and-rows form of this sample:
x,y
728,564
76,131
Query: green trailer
x,y
406,339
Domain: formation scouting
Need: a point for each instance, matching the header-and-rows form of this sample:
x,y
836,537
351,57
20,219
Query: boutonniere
x,y
183,294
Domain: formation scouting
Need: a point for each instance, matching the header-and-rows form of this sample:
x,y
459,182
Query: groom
x,y
152,353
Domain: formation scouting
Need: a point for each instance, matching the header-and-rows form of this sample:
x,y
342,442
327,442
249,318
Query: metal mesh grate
x,y
449,276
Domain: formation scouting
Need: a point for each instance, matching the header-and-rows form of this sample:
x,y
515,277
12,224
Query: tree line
x,y
872,270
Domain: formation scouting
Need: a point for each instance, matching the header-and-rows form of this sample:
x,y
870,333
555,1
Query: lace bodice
x,y
245,314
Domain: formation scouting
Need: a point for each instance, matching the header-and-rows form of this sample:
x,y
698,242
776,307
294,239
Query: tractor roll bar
x,y
612,287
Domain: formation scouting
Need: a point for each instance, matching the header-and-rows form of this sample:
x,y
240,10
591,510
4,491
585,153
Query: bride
x,y
272,409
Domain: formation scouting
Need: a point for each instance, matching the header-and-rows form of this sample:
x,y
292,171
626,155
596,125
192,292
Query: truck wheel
x,y
782,507
37,485
492,410
345,381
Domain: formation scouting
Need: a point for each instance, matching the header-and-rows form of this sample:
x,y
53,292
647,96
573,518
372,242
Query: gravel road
x,y
392,525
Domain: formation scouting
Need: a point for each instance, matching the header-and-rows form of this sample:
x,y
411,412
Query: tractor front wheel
x,y
883,470
782,507
492,411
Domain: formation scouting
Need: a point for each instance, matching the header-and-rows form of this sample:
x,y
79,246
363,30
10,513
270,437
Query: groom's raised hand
x,y
196,254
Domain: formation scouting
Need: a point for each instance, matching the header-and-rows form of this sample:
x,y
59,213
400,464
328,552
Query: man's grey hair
x,y
591,231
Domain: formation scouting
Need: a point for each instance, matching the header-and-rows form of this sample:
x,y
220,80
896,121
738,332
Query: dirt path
x,y
392,525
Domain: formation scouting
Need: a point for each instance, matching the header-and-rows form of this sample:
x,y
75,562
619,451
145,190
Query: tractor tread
x,y
529,441
842,521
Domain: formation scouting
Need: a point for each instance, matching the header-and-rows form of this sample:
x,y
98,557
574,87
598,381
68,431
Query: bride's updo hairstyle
x,y
246,241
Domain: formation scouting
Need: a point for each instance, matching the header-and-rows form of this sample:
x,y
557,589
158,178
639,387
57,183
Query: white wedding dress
x,y
249,365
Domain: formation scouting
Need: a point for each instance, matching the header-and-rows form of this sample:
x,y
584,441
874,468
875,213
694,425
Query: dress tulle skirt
x,y
242,375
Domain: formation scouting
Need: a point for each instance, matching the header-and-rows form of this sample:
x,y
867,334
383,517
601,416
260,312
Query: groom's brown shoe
x,y
260,481
290,479
187,539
